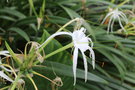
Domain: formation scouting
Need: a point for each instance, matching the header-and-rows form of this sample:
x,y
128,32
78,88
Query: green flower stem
x,y
4,88
59,50
45,78
32,81
132,28
56,51
112,1
33,8
76,19
42,9
121,4
16,81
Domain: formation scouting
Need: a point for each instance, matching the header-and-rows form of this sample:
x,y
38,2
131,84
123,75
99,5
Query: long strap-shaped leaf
x,y
17,60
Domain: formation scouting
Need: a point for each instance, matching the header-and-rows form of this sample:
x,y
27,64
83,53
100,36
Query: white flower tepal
x,y
115,15
5,53
81,42
3,75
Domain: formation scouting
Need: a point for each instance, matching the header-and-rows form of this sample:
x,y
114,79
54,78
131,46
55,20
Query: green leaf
x,y
70,12
17,60
13,12
20,32
7,18
60,68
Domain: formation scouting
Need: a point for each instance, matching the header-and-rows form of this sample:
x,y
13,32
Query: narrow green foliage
x,y
17,60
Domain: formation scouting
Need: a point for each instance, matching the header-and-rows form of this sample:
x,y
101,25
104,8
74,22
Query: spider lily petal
x,y
92,55
3,75
110,24
85,65
75,56
106,17
54,35
91,42
5,53
115,14
4,67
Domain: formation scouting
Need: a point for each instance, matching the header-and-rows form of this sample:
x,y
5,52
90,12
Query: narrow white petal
x,y
5,68
92,54
109,24
56,34
112,25
106,17
124,18
3,75
121,24
82,29
85,65
90,42
3,52
7,55
75,56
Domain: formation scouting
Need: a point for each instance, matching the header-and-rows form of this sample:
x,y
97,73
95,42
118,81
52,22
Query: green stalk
x,y
76,19
56,51
45,78
33,8
16,81
121,4
132,28
4,88
112,1
42,9
32,81
59,50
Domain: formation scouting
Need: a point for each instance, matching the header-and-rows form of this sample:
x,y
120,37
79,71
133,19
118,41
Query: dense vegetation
x,y
33,21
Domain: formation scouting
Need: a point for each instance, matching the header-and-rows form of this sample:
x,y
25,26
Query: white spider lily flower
x,y
81,42
115,14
